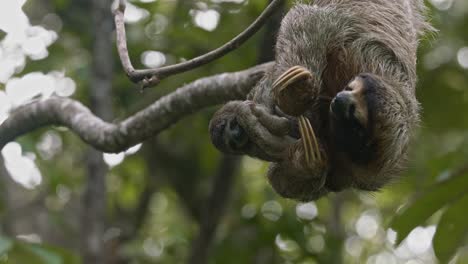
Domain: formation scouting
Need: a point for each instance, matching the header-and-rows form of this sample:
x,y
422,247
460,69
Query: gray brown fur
x,y
337,40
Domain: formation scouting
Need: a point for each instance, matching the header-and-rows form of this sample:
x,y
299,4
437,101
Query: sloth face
x,y
352,117
229,130
226,133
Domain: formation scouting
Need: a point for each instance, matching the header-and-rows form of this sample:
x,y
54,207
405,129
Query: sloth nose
x,y
343,105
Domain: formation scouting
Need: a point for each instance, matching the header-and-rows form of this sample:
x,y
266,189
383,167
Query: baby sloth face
x,y
352,115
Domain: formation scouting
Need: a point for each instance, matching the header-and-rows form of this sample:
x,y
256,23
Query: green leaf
x,y
427,204
451,230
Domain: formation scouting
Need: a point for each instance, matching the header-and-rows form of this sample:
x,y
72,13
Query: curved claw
x,y
309,142
294,91
292,75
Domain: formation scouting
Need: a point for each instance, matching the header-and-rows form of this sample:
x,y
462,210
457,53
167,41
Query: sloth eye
x,y
347,88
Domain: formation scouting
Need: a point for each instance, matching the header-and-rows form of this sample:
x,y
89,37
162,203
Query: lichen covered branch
x,y
115,137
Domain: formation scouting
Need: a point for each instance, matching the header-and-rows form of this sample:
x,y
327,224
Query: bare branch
x,y
121,39
115,137
150,77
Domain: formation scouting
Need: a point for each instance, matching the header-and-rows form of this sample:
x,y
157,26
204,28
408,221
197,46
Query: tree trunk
x,y
94,198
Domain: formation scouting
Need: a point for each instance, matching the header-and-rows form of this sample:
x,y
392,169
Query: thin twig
x,y
151,77
121,39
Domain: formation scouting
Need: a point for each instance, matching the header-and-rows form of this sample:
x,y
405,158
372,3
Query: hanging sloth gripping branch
x,y
338,108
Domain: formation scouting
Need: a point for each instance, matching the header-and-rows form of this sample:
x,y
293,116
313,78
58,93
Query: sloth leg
x,y
292,182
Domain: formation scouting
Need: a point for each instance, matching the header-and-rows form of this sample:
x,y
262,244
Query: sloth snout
x,y
343,105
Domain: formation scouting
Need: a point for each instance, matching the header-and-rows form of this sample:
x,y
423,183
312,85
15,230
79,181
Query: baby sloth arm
x,y
244,127
259,128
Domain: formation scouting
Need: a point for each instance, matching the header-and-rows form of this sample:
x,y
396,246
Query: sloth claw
x,y
293,90
292,75
309,143
294,94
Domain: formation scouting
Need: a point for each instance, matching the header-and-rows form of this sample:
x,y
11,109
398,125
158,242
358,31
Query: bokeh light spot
x,y
153,59
367,226
307,211
206,19
462,57
272,210
113,159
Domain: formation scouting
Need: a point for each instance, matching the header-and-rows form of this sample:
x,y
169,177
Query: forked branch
x,y
151,77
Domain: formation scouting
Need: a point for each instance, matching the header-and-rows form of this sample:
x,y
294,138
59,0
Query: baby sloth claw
x,y
293,95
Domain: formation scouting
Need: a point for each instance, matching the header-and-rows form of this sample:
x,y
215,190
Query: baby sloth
x,y
338,108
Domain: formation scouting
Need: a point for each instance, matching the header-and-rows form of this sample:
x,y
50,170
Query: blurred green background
x,y
157,195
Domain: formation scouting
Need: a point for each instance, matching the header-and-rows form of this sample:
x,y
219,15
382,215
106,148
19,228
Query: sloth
x,y
338,108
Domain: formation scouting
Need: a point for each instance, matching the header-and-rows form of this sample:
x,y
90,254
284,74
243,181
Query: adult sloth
x,y
338,108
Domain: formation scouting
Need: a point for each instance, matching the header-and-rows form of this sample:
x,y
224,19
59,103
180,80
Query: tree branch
x,y
151,77
115,137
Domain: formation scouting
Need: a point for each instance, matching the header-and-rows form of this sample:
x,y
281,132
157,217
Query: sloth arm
x,y
289,175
